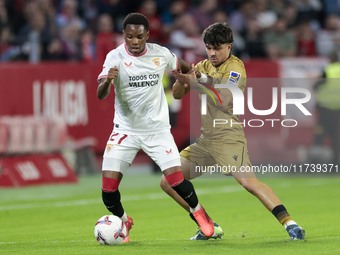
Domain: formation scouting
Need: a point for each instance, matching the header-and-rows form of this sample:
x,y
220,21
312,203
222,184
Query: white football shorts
x,y
160,147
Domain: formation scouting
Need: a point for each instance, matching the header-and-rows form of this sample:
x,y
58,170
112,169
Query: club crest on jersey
x,y
234,78
156,61
128,64
109,147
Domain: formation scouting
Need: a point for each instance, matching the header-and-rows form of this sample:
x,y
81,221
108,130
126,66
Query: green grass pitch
x,y
60,219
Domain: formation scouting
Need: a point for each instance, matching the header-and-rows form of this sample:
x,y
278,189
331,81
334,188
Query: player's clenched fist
x,y
112,73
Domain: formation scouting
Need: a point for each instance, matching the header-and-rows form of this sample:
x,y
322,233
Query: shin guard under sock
x,y
183,187
111,196
112,202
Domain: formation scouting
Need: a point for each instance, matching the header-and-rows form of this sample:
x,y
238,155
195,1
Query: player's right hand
x,y
185,77
113,72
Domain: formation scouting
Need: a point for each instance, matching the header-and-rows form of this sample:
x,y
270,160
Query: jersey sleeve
x,y
171,58
110,61
236,75
200,67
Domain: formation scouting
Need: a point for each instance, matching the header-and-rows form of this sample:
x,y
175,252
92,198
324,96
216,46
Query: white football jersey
x,y
140,103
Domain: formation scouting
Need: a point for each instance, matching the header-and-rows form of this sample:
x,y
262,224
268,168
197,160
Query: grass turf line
x,y
61,225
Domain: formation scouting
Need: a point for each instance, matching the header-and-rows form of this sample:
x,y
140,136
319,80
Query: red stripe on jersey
x,y
141,54
175,178
102,76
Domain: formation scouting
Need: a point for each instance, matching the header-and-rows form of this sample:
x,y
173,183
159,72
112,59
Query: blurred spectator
x,y
15,11
55,41
55,50
90,14
186,40
46,6
68,14
106,39
220,16
308,10
4,28
328,105
118,9
308,5
239,18
164,5
265,17
254,45
4,40
70,40
229,6
149,9
30,8
328,39
305,40
80,6
87,47
332,7
280,42
203,13
290,14
277,6
176,9
34,38
3,15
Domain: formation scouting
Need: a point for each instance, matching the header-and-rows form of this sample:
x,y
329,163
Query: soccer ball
x,y
110,230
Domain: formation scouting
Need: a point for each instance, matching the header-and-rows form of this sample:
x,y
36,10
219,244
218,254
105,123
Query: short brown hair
x,y
217,34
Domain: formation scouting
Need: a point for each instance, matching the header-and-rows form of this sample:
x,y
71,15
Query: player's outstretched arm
x,y
183,66
179,89
182,85
105,83
190,78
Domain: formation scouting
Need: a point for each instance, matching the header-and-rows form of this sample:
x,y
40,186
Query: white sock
x,y
291,222
124,217
193,210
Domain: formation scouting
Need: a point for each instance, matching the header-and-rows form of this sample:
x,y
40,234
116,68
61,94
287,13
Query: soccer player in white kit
x,y
141,121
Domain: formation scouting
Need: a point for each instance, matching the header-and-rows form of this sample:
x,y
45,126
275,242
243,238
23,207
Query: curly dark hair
x,y
217,34
136,19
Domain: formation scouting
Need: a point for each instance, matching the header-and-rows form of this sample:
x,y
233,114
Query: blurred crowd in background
x,y
86,30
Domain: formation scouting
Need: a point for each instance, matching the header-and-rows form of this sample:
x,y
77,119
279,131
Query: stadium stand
x,y
274,38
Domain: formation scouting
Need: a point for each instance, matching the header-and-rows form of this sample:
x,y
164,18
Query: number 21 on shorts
x,y
117,138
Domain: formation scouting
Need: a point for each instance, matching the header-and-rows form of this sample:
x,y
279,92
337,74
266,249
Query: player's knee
x,y
186,165
164,184
249,184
